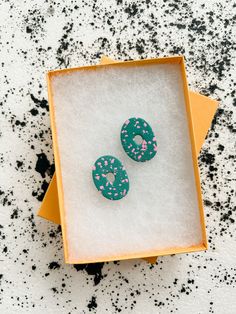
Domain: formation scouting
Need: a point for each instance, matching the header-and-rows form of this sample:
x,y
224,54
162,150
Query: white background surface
x,y
38,36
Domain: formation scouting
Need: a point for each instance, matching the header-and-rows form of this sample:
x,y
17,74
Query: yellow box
x,y
196,141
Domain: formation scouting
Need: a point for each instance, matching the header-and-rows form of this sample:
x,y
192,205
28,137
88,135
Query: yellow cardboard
x,y
201,109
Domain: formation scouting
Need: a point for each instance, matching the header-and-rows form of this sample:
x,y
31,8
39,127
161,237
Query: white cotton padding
x,y
161,209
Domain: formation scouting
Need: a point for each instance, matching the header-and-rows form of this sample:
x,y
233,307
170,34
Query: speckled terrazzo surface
x,y
36,37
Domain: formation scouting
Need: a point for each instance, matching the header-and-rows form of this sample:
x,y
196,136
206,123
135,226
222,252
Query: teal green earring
x,y
147,148
104,167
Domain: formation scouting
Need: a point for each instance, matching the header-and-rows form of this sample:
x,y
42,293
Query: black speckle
x,y
197,26
54,265
92,304
28,29
63,55
42,103
207,158
42,165
33,267
39,193
19,164
131,10
15,214
34,112
92,269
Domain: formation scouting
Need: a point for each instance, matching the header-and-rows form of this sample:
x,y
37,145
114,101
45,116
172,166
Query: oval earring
x,y
138,139
110,177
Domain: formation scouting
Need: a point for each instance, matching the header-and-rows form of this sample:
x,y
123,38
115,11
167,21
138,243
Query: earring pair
x,y
139,143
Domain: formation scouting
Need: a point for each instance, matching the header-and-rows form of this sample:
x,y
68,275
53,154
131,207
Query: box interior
x,y
161,209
